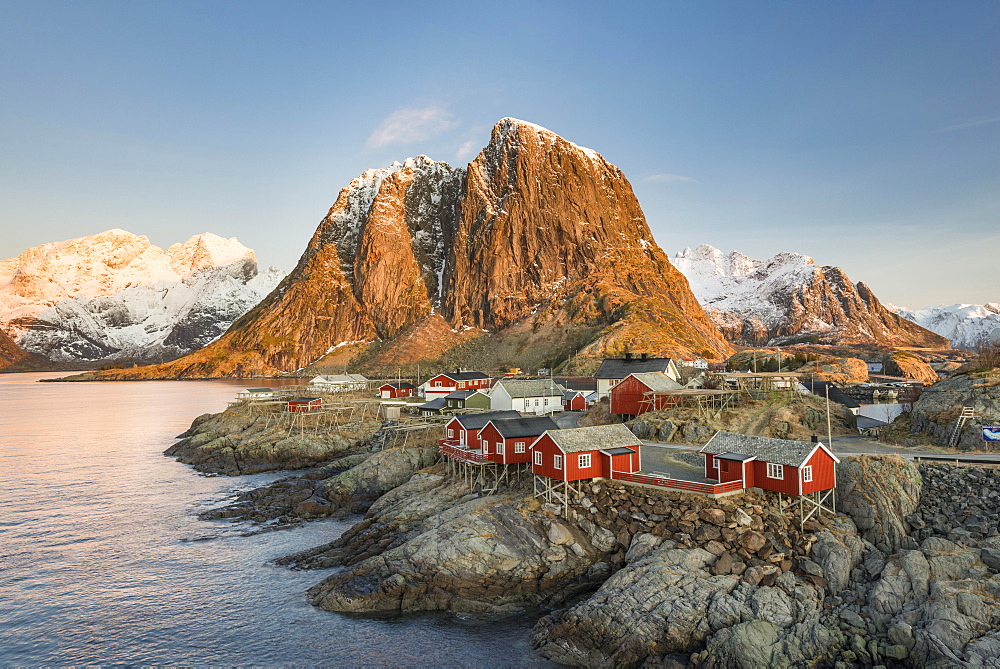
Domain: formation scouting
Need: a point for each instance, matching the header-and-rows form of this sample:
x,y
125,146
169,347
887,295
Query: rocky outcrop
x,y
13,357
496,556
115,296
937,410
537,244
879,492
234,442
839,371
909,366
788,299
961,504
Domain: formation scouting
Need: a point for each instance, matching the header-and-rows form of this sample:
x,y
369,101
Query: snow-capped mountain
x,y
789,298
115,295
965,325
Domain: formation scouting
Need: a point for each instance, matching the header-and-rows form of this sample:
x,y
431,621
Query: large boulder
x,y
937,410
878,492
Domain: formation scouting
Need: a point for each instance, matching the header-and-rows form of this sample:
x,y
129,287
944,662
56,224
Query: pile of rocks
x,y
961,504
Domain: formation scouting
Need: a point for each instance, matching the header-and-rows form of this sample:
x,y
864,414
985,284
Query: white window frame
x,y
546,402
500,448
715,463
536,401
557,461
584,461
538,458
486,448
451,433
519,447
807,474
437,384
775,471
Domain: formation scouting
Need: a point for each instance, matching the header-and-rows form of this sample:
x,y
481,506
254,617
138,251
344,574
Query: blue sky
x,y
865,135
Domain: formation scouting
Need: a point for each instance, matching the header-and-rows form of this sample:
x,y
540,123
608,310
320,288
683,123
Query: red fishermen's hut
x,y
780,465
305,404
508,441
586,453
449,382
391,391
575,400
464,430
631,396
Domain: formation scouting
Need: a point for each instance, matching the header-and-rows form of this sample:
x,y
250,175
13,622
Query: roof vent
x,y
814,439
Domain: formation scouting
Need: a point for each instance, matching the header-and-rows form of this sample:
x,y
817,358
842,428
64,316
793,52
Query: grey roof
x,y
304,399
476,421
464,376
739,457
532,388
594,438
766,449
436,403
570,394
339,378
397,386
866,423
618,368
618,451
259,390
656,381
511,428
836,394
460,394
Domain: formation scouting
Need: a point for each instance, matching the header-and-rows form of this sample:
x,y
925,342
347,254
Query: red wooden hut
x,y
304,404
585,453
449,382
391,391
630,398
780,465
464,430
575,400
508,441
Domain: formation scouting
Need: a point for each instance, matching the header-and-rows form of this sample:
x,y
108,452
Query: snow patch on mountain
x,y
116,295
733,282
965,325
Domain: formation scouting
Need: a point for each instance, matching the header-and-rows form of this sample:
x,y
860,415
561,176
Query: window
x,y
546,401
557,461
538,457
519,447
437,384
715,463
775,471
461,384
583,460
499,448
536,402
613,382
451,433
807,474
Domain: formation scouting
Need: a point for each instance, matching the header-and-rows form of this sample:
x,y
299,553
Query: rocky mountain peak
x,y
538,241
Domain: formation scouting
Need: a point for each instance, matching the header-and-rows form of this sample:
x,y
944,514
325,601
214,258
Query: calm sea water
x,y
102,559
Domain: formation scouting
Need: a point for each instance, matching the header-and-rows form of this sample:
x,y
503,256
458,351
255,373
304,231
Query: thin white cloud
x,y
970,124
411,124
669,179
467,150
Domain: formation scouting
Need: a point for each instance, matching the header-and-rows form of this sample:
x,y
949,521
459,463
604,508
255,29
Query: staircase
x,y
963,418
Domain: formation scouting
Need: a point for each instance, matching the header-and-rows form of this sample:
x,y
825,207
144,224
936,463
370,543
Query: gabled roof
x,y
596,438
836,394
656,381
436,403
533,426
531,388
397,386
619,368
460,394
476,421
304,399
570,394
463,376
866,423
765,449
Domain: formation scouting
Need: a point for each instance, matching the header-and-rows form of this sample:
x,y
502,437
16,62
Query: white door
x,y
386,394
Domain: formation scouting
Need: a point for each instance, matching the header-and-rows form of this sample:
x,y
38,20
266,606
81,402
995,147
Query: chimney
x,y
645,356
814,439
628,356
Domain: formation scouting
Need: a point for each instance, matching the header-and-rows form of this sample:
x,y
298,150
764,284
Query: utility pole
x,y
829,427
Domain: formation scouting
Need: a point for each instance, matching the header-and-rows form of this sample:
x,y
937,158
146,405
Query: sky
x,y
863,134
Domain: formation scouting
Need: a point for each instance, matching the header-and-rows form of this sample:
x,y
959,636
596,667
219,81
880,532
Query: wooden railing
x,y
462,454
679,484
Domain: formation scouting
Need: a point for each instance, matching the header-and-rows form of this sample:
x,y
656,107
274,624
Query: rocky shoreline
x,y
906,575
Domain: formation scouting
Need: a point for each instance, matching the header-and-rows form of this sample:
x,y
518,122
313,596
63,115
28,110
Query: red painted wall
x,y
578,403
471,436
628,462
824,472
548,448
448,383
491,435
304,407
788,485
627,398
